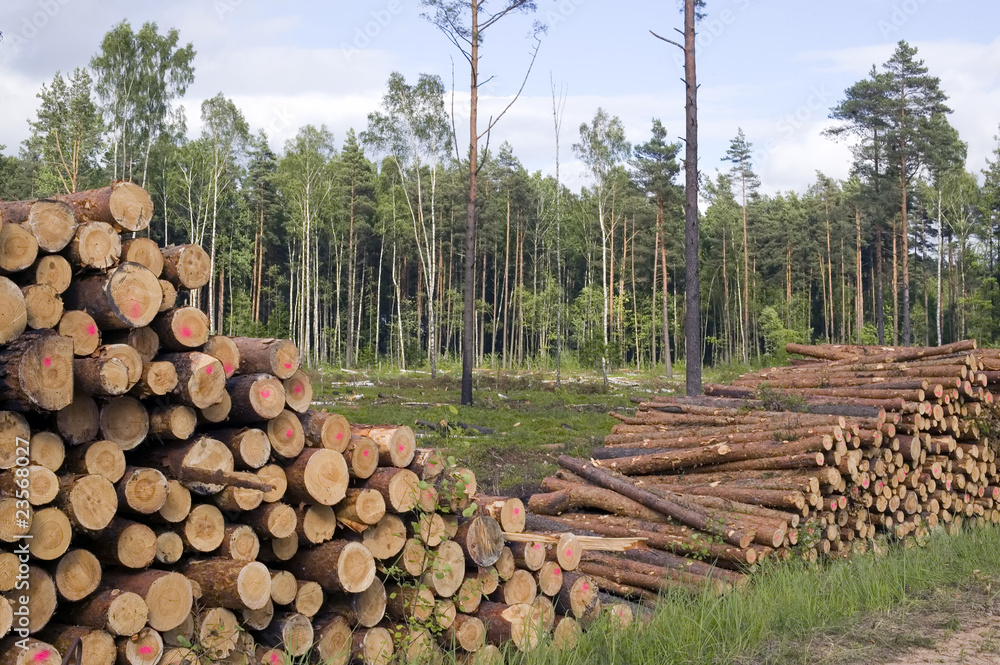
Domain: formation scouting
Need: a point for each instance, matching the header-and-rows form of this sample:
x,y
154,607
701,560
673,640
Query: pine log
x,y
18,249
13,312
36,371
337,565
157,379
89,501
250,446
142,490
204,528
279,357
469,595
80,421
386,538
101,458
125,421
323,429
373,646
14,437
333,639
226,351
505,565
520,588
43,305
285,434
175,422
169,294
169,547
50,534
291,631
298,391
310,599
231,584
399,488
101,376
34,652
126,543
317,475
217,631
413,558
218,412
95,245
489,578
587,496
549,576
446,571
200,378
82,329
47,449
364,506
315,523
409,603
508,511
143,251
181,329
466,633
255,397
37,483
54,270
143,340
238,499
143,648
127,354
97,646
15,519
51,222
186,266
361,456
481,538
128,296
205,465
272,520
455,486
511,624
397,445
124,204
273,475
528,555
117,611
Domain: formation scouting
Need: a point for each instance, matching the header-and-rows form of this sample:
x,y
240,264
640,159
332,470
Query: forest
x,y
353,245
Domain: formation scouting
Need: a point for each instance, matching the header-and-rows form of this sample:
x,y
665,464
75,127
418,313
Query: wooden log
x,y
310,599
361,456
273,475
397,445
169,294
587,496
39,604
578,597
279,357
13,312
466,632
177,507
95,246
47,450
250,446
386,538
77,575
291,631
124,204
255,397
511,624
169,547
51,222
82,329
409,603
337,565
223,348
186,266
181,329
333,639
238,499
218,412
446,571
126,543
156,380
508,511
50,534
298,391
43,306
34,652
54,270
143,251
37,484
398,487
373,646
204,465
317,475
204,528
36,371
175,422
125,421
362,506
14,434
285,434
231,584
528,555
113,610
469,594
323,429
97,647
128,296
272,520
142,490
217,631
127,354
101,376
89,501
200,378
18,249
520,588
144,648
481,539
315,523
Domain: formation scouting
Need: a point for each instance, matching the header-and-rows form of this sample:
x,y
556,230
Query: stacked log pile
x,y
169,495
838,453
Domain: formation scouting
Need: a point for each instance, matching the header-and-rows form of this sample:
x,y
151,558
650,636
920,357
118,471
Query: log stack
x,y
838,453
178,498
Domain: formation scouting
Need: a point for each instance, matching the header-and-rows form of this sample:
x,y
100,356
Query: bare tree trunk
x,y
859,304
895,288
667,357
692,297
940,315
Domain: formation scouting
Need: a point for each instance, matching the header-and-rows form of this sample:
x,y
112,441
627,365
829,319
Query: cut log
x,y
43,305
14,434
511,624
218,412
169,294
89,501
333,639
126,543
231,584
572,497
399,488
186,266
363,506
124,204
481,538
47,449
337,565
446,571
323,429
182,329
101,376
578,597
128,354
36,371
95,245
469,595
143,648
238,499
175,422
97,646
82,329
279,357
55,271
52,222
250,446
549,578
255,397
128,296
204,466
169,547
284,586
200,378
18,248
13,312
528,555
508,511
272,520
273,475
216,630
125,421
37,484
316,524
409,603
466,633
373,646
309,599
142,490
291,631
80,421
430,528
143,251
386,538
397,445
204,528
298,391
317,475
362,456
157,379
116,611
15,519
50,534
287,439
34,652
225,350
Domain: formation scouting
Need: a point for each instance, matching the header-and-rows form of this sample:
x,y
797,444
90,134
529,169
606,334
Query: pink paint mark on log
x,y
557,571
586,587
42,655
91,330
228,369
569,553
537,546
365,453
402,447
298,389
47,362
289,433
146,650
288,365
340,435
135,311
517,511
208,370
185,332
274,658
265,393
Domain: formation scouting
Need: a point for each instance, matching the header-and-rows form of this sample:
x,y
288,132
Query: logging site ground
x,y
935,604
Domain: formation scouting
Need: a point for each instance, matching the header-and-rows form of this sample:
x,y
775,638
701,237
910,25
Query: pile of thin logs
x,y
168,495
837,453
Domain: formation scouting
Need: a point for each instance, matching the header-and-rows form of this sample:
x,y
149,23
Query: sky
x,y
771,67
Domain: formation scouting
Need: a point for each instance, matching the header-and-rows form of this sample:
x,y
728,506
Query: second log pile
x,y
832,455
176,488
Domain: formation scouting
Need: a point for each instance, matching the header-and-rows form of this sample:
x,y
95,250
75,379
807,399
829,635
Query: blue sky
x,y
773,68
